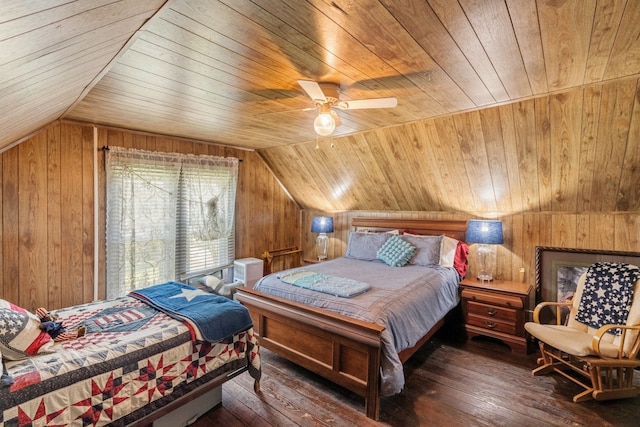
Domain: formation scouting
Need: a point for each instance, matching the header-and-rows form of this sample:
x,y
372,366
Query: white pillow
x,y
213,282
448,251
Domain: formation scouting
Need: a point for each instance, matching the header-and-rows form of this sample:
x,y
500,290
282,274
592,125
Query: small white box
x,y
247,270
190,412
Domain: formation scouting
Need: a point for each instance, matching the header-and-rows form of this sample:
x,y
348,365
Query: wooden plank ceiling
x,y
226,72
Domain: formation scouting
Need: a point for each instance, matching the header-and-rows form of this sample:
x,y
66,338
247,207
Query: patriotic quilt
x,y
132,361
607,295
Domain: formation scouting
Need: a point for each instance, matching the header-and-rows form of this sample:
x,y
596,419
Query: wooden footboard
x,y
339,348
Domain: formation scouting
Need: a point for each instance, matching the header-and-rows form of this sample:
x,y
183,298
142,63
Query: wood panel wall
x,y
47,202
560,171
615,231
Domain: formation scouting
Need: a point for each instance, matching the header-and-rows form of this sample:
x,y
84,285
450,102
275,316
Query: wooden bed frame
x,y
342,349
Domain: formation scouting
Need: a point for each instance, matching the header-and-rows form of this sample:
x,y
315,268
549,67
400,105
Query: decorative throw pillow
x,y
365,246
212,282
396,252
460,262
427,249
20,333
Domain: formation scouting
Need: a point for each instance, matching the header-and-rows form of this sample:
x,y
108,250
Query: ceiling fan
x,y
326,96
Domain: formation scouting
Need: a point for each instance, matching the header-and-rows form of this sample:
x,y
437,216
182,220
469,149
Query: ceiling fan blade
x,y
368,103
313,89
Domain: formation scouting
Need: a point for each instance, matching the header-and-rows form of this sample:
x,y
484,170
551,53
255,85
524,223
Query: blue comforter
x,y
212,317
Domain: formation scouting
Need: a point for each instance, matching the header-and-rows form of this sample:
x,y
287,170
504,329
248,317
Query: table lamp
x,y
487,233
322,225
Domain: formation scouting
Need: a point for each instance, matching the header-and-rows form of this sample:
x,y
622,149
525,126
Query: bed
x,y
337,337
134,364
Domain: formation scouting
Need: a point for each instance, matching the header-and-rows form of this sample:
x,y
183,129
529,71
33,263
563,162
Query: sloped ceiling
x,y
577,151
226,71
508,105
52,52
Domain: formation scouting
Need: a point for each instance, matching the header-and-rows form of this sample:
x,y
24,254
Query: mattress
x,y
133,361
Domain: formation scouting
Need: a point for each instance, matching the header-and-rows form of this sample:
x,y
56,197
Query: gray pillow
x,y
365,246
427,249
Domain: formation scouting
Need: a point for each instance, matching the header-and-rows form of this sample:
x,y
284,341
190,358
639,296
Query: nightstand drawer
x,y
492,311
492,298
492,324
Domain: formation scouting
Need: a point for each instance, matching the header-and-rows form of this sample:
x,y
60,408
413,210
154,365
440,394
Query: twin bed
x,y
134,365
362,341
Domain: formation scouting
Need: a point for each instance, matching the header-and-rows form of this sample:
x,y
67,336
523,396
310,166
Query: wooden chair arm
x,y
597,338
545,304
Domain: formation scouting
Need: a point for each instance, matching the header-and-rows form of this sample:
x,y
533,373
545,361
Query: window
x,y
167,215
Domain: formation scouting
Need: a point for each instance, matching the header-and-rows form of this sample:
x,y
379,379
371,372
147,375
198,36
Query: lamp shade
x,y
322,224
484,231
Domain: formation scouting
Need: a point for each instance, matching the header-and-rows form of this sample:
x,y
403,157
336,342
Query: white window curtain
x,y
167,215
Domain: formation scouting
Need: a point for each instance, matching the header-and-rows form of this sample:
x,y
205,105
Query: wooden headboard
x,y
456,229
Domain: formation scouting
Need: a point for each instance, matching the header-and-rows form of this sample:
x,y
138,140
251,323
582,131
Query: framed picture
x,y
558,269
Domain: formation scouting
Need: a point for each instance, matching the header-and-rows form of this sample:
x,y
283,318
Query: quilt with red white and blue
x,y
132,361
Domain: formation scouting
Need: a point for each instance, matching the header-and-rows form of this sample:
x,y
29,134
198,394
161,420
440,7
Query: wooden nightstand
x,y
496,309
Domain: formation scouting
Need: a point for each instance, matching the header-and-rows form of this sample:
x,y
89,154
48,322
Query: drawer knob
x,y
490,324
491,311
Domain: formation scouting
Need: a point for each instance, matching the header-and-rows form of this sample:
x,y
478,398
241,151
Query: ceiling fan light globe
x,y
324,124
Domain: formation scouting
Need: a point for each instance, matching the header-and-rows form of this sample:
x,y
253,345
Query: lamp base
x,y
486,259
485,278
322,245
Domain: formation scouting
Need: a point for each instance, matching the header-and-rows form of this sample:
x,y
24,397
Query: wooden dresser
x,y
496,309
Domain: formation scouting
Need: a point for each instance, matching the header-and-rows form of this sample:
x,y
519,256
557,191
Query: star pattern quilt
x,y
607,295
132,361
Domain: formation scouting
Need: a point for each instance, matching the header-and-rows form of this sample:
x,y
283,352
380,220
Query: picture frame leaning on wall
x,y
558,270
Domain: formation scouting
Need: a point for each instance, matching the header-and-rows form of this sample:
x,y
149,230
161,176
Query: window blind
x,y
205,217
167,215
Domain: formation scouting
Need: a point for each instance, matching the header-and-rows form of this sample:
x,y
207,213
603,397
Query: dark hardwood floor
x,y
450,382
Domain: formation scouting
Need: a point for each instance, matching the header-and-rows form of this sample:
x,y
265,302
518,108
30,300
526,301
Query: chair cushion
x,y
569,340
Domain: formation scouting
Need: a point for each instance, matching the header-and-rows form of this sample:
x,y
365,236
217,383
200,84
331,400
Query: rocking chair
x,y
595,341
